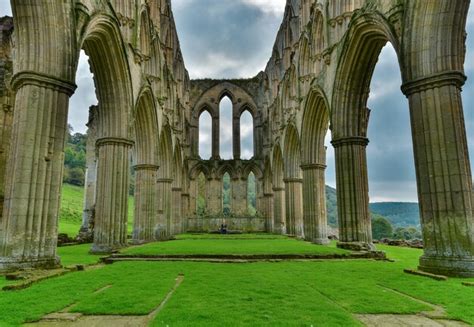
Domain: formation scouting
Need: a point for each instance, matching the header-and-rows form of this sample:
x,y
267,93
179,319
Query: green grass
x,y
78,254
221,245
323,293
70,215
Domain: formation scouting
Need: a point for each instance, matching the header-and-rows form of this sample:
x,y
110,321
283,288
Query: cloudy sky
x,y
234,39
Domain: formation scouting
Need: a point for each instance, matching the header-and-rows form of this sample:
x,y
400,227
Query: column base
x,y
13,264
356,246
448,266
106,249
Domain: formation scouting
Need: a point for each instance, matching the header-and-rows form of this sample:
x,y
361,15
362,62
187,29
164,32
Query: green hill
x,y
400,214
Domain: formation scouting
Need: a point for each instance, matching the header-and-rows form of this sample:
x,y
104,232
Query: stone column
x,y
268,211
294,206
443,173
279,210
214,197
215,138
236,137
88,213
163,227
6,100
314,203
146,208
193,197
239,197
177,213
29,226
185,211
355,231
110,228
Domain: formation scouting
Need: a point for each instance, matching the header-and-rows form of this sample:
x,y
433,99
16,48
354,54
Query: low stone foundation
x,y
245,224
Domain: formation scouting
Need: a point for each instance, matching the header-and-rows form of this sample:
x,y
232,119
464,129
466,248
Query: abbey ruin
x,y
317,79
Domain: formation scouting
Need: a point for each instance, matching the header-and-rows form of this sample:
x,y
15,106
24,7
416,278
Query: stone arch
x,y
103,44
146,128
177,190
166,153
293,182
254,168
292,153
199,168
367,34
145,34
146,168
279,207
313,132
314,128
318,43
227,168
362,44
165,180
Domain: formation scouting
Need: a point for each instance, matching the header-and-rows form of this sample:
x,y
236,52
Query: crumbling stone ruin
x,y
317,78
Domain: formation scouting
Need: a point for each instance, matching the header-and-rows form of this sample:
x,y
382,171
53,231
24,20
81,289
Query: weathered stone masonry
x,y
317,77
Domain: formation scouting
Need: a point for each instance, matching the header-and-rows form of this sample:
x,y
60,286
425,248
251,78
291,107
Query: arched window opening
x,y
246,135
251,194
226,195
201,198
226,130
205,135
389,120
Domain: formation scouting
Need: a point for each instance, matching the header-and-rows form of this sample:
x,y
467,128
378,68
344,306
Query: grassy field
x,y
233,244
70,215
323,293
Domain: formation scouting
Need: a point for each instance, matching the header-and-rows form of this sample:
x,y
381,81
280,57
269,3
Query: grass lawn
x,y
323,293
70,215
233,244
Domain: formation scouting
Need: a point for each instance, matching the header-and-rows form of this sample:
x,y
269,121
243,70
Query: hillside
x,y
400,214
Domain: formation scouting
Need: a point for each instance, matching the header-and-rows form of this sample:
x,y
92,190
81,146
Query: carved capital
x,y
42,80
455,78
313,166
354,140
114,141
146,167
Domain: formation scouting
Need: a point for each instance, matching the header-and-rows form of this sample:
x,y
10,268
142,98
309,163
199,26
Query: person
x,y
223,229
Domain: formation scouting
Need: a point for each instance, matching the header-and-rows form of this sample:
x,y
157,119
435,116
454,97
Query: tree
x,y
381,228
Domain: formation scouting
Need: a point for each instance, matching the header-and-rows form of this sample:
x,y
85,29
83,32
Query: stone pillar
x,y
163,228
146,208
443,173
29,226
193,194
314,203
236,137
185,211
355,231
279,210
215,138
239,197
88,213
177,213
214,197
268,212
294,206
110,226
6,100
